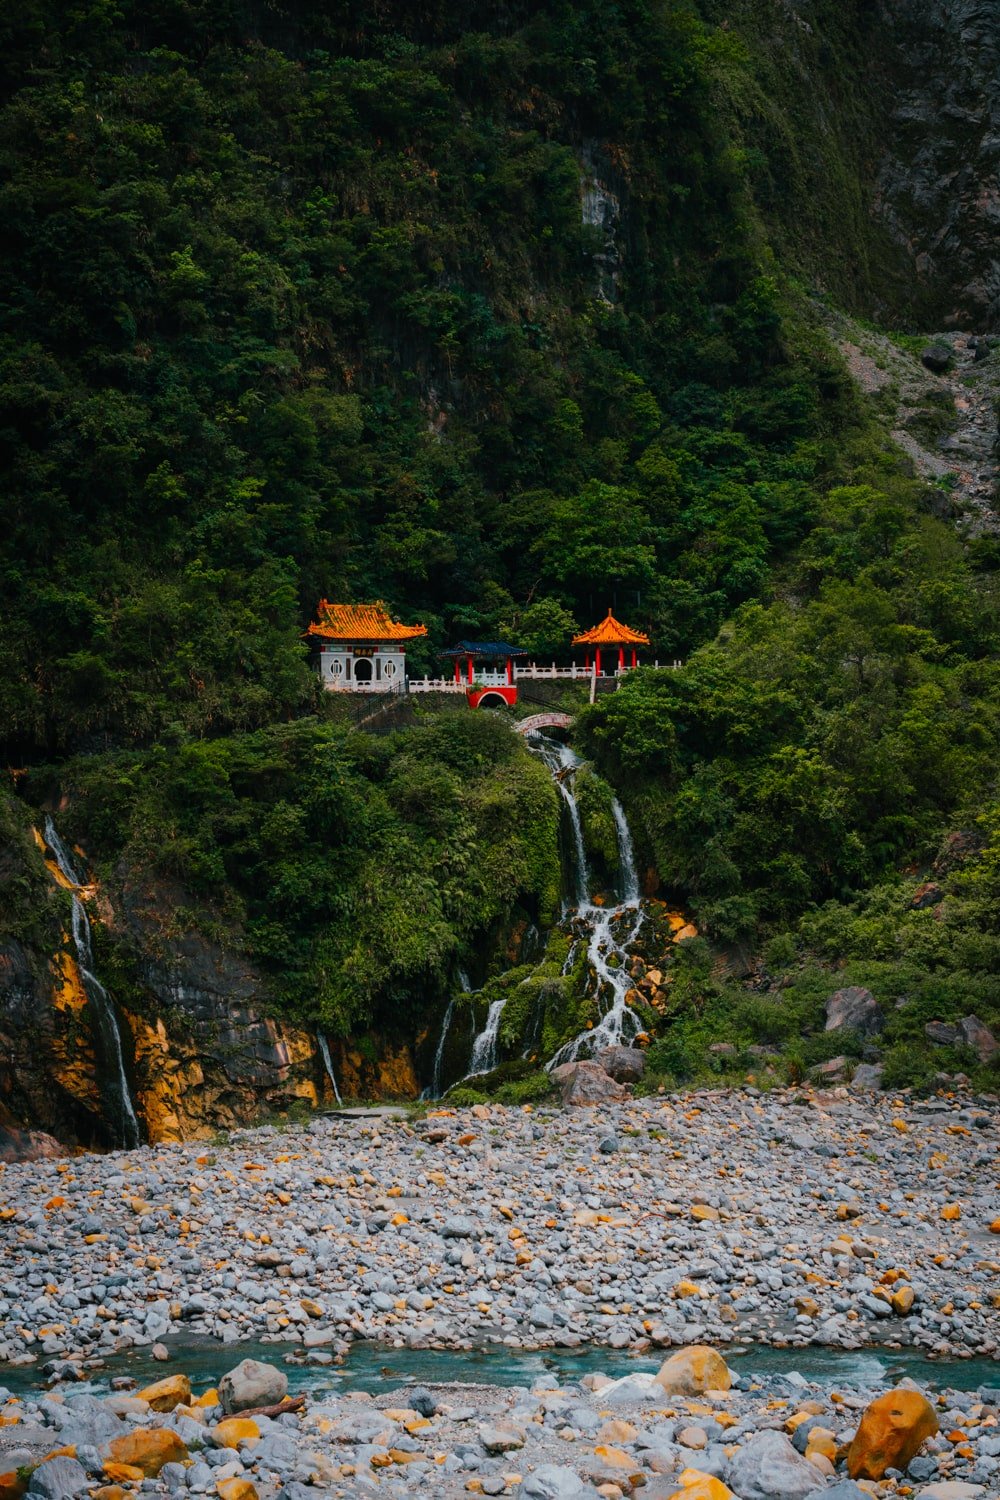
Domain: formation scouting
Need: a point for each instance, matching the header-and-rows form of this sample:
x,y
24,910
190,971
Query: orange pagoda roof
x,y
611,632
360,622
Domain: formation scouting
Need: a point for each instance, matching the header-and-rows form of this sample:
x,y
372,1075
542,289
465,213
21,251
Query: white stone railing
x,y
436,685
532,671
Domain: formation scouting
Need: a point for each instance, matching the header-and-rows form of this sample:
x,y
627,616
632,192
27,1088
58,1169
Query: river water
x,y
372,1367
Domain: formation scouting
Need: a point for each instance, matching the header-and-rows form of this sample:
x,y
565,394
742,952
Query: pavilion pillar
x,y
634,660
597,661
621,658
510,674
469,661
586,662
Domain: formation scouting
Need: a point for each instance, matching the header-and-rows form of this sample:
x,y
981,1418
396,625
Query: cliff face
x,y
872,133
201,1052
938,183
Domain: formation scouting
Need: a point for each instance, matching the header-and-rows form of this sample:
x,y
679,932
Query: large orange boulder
x,y
890,1433
164,1395
694,1485
691,1371
148,1449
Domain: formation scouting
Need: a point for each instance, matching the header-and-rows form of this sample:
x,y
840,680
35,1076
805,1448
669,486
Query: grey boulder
x,y
585,1083
977,1035
554,1482
252,1383
623,1064
768,1468
59,1479
853,1007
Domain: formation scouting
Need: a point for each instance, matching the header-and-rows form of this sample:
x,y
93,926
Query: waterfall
x,y
484,1048
435,1092
607,930
465,985
106,1022
626,856
562,762
324,1052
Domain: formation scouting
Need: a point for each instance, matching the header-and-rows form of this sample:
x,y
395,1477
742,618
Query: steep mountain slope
x,y
505,320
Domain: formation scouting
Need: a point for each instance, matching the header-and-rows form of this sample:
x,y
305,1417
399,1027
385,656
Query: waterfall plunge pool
x,y
376,1367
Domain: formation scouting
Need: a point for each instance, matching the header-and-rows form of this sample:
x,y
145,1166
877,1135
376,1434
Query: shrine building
x,y
609,635
362,649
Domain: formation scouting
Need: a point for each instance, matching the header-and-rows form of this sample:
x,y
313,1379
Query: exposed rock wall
x,y
203,1052
938,185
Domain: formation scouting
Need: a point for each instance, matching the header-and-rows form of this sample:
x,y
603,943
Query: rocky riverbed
x,y
834,1217
691,1431
800,1217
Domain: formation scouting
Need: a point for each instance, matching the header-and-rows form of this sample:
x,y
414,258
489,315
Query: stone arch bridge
x,y
550,720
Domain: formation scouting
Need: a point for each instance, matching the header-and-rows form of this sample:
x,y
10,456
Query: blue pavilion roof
x,y
484,649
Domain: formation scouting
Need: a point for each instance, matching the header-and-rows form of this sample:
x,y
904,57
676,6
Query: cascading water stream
x,y
562,763
324,1052
465,985
125,1123
607,930
484,1048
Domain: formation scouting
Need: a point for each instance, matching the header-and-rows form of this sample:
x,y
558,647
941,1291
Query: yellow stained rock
x,y
901,1126
148,1449
236,1489
822,1440
691,1371
127,1473
235,1430
615,1458
695,1485
821,1462
617,1431
685,1288
890,1433
208,1398
951,1212
164,1395
902,1300
103,1492
701,1212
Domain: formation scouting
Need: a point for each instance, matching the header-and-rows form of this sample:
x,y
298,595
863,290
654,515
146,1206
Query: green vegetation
x,y
302,304
824,737
501,317
357,872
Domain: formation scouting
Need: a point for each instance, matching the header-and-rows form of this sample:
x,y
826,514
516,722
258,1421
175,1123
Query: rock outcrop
x,y
938,185
202,1046
854,1008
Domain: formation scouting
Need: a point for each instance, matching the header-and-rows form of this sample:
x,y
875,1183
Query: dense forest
x,y
504,318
